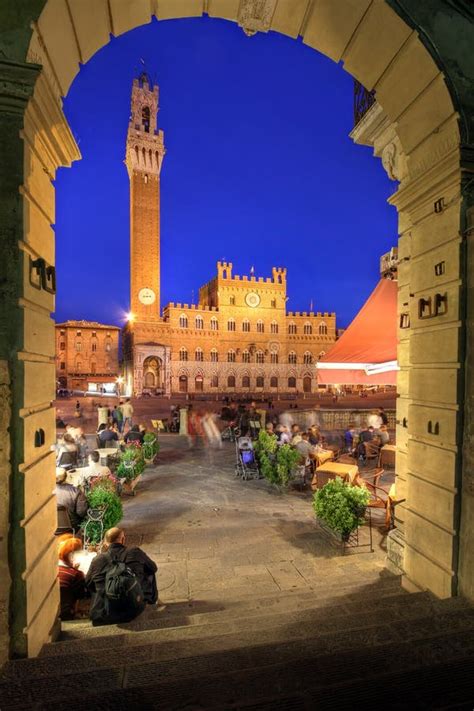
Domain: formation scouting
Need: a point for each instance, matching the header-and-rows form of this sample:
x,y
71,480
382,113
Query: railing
x,y
363,100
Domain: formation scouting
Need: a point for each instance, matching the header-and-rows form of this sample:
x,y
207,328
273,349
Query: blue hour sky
x,y
259,170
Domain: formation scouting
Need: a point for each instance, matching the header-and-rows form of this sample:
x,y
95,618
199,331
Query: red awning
x,y
369,343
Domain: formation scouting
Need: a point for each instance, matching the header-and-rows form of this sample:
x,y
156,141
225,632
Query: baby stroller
x,y
246,464
232,432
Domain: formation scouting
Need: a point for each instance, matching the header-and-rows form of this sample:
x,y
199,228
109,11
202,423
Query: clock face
x,y
252,299
147,296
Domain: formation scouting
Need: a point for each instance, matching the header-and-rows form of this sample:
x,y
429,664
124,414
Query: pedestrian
x,y
127,411
117,418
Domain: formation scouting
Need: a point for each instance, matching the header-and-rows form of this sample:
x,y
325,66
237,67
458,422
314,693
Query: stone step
x,y
173,643
227,679
201,611
146,631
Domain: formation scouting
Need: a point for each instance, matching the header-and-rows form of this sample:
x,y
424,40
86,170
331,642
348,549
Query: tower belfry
x,y
144,156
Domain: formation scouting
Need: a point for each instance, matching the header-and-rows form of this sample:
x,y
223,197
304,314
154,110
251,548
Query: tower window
x,y
231,325
146,119
199,355
274,357
199,322
231,356
183,321
260,357
307,358
292,358
246,325
183,354
292,329
274,303
260,327
214,356
307,329
274,327
245,356
214,324
232,300
323,329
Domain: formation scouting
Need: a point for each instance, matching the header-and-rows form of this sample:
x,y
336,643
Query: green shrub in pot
x,y
341,506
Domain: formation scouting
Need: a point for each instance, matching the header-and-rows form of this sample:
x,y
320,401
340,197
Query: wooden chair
x,y
372,451
321,478
373,476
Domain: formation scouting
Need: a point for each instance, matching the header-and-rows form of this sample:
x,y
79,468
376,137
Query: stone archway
x,y
384,52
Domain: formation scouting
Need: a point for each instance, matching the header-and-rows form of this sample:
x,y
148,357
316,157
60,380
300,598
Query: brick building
x,y
87,356
239,337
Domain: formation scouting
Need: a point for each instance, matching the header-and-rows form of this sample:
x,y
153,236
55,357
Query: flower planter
x,y
129,486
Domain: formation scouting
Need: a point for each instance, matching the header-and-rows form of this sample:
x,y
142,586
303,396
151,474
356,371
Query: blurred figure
x,y
72,582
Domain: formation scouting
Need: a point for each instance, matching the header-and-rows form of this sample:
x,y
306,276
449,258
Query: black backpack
x,y
122,592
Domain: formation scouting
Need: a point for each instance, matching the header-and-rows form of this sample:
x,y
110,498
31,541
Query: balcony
x,y
363,100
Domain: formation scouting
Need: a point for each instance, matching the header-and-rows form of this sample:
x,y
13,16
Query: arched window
x,y
231,381
198,383
199,355
245,356
260,327
308,358
292,329
273,327
93,345
323,329
273,381
307,381
146,119
199,322
273,357
307,329
183,321
214,355
183,384
292,382
214,324
274,303
108,345
246,325
93,367
78,366
78,346
231,324
260,357
183,354
260,381
292,358
231,356
214,381
246,381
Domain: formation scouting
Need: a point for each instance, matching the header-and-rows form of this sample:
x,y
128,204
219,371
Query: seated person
x,y
95,468
295,434
108,437
283,434
67,444
349,438
384,435
105,612
304,447
69,496
372,448
365,435
134,435
72,582
269,428
314,435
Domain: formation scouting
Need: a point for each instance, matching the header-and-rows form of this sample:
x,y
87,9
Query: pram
x,y
246,464
232,432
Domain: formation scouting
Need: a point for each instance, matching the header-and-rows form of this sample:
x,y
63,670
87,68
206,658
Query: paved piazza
x,y
217,537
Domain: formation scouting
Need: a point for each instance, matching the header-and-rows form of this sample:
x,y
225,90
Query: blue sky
x,y
259,170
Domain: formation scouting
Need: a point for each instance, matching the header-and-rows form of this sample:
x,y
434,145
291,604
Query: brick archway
x,y
383,52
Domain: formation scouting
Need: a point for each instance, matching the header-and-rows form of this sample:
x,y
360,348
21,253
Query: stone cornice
x,y
17,83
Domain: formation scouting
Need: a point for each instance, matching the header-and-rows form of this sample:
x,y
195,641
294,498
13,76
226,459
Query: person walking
x,y
127,411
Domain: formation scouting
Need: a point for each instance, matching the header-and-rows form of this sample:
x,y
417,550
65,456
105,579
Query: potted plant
x,y
276,462
341,506
150,446
105,511
130,468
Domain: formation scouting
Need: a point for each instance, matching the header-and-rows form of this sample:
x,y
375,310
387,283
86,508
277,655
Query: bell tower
x,y
144,156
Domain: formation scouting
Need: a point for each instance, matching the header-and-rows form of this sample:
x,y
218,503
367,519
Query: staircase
x,y
349,645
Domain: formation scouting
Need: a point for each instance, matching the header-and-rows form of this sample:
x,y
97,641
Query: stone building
x,y
87,356
239,338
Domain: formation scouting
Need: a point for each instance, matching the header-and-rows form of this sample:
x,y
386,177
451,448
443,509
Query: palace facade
x,y
87,356
239,338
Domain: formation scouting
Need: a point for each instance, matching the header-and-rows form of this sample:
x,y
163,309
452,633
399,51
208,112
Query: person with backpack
x,y
122,581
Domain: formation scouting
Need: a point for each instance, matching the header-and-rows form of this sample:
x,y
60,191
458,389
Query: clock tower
x,y
144,156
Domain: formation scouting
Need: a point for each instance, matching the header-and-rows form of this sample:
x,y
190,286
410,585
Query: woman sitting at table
x,y
72,586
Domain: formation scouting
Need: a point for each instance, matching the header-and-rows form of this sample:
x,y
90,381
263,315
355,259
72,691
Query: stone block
x,y
58,35
91,23
445,259
38,233
443,142
436,228
403,354
440,346
45,626
227,9
288,17
438,385
448,312
168,9
45,420
427,574
39,529
41,580
421,416
376,41
402,382
39,482
395,551
432,463
402,437
128,15
38,332
331,25
430,539
404,274
425,114
401,465
38,183
431,501
39,383
416,66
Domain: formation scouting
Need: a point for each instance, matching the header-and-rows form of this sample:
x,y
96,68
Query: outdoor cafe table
x,y
347,472
387,455
107,452
324,456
